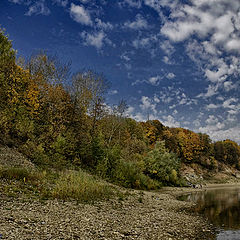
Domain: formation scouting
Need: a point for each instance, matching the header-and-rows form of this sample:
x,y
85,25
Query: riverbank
x,y
137,215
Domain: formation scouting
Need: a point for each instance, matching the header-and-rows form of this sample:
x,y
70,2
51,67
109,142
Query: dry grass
x,y
80,186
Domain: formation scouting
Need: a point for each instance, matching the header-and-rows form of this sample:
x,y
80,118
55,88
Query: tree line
x,y
57,122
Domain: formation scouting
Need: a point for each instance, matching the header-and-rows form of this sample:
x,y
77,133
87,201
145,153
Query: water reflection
x,y
220,206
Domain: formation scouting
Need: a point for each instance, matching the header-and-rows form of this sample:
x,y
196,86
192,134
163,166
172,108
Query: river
x,y
222,207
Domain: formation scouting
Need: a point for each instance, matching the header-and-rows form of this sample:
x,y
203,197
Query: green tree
x,y
162,165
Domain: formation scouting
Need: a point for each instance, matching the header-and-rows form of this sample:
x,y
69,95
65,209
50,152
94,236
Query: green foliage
x,y
81,187
7,55
162,165
57,125
107,164
228,152
17,173
130,175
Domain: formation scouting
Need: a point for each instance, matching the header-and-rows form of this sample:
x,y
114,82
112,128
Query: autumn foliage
x,y
59,120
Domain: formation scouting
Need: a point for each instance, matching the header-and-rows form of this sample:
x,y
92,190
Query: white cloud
x,y
131,3
212,120
80,14
219,132
113,92
211,31
95,39
38,8
170,121
125,57
228,103
170,76
130,110
211,91
167,47
147,105
166,60
141,43
219,75
138,24
102,25
212,106
228,86
62,3
154,80
145,42
156,99
233,45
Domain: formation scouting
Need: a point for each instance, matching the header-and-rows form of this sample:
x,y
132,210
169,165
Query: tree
x,y
227,151
88,92
48,69
113,123
7,66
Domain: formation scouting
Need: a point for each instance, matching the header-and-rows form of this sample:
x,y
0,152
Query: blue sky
x,y
176,61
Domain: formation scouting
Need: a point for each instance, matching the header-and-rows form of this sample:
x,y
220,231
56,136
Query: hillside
x,y
31,209
60,120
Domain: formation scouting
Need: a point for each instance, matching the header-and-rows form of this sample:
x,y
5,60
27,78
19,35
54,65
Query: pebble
x,y
111,220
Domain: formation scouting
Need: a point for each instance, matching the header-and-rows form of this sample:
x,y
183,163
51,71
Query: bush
x,y
162,165
129,174
106,165
80,186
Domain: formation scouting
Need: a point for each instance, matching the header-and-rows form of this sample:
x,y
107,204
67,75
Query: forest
x,y
60,120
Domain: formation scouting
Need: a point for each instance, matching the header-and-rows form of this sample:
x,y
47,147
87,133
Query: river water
x,y
222,207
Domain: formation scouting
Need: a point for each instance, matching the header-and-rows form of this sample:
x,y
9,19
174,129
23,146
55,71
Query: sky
x,y
177,61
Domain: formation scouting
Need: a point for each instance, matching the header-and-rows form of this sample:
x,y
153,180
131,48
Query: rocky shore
x,y
138,215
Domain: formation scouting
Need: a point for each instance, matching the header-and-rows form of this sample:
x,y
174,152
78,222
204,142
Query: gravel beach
x,y
142,215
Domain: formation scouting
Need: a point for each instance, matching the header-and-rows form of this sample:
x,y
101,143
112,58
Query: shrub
x,y
129,174
80,186
162,165
106,165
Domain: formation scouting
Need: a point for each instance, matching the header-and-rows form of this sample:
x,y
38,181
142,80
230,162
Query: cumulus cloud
x,y
148,105
211,30
170,121
79,14
95,39
222,130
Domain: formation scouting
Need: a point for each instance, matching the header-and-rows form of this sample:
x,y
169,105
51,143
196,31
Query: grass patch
x,y
80,186
18,173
